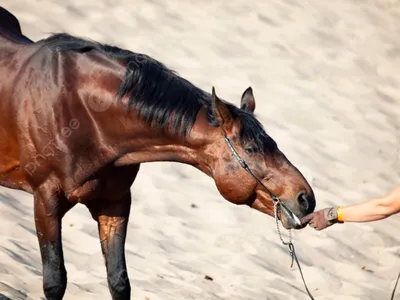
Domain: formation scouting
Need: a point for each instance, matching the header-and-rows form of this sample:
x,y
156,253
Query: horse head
x,y
239,152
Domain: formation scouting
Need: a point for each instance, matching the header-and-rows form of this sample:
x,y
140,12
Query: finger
x,y
307,218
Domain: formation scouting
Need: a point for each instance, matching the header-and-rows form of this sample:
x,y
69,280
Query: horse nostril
x,y
306,202
303,200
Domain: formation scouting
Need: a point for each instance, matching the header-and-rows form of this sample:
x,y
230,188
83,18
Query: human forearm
x,y
368,211
372,210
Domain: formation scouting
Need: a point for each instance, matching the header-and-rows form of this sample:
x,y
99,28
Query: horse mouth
x,y
288,218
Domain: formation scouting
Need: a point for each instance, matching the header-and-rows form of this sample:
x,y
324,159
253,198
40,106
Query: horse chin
x,y
286,221
289,223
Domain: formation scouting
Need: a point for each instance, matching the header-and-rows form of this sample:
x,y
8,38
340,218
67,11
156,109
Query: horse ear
x,y
248,103
220,111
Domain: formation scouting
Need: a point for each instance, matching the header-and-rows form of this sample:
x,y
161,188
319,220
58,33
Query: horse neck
x,y
151,146
129,139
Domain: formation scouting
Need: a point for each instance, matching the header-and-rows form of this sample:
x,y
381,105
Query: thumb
x,y
307,218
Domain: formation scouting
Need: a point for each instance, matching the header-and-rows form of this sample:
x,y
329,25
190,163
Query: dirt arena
x,y
325,75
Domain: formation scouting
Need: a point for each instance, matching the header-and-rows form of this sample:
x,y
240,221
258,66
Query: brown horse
x,y
78,118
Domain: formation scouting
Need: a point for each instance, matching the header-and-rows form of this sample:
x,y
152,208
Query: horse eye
x,y
251,149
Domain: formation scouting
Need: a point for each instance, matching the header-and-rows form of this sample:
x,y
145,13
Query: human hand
x,y
321,219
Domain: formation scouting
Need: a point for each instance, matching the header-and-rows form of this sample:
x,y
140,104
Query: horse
x,y
79,117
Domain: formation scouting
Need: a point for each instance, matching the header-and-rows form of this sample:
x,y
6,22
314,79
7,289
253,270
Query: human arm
x,y
367,211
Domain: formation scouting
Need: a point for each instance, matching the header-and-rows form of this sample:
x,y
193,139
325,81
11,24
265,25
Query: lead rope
x,y
276,202
395,286
294,256
291,248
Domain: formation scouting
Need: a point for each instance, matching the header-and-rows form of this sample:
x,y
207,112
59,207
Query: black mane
x,y
162,99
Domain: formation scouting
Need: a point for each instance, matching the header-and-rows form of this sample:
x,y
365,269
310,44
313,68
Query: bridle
x,y
278,205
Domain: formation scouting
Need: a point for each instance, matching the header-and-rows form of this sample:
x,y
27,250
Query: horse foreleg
x,y
49,210
112,218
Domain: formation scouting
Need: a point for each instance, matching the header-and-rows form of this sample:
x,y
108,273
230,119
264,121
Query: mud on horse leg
x,y
49,209
112,218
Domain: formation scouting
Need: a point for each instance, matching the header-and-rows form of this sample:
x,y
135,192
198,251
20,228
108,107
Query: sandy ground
x,y
326,80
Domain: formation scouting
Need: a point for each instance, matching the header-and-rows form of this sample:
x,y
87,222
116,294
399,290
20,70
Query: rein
x,y
278,205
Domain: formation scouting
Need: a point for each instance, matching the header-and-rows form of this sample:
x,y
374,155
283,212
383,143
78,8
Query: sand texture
x,y
326,77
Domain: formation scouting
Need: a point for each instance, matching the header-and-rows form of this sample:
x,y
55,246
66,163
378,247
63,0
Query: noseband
x,y
278,205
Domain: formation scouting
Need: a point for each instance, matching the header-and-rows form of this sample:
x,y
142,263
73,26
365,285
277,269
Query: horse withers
x,y
78,119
